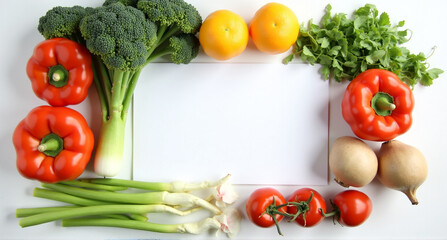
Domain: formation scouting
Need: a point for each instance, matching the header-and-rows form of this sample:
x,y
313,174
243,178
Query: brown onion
x,y
402,167
352,162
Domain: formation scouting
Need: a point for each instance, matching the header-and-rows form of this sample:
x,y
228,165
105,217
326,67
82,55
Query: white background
x,y
393,216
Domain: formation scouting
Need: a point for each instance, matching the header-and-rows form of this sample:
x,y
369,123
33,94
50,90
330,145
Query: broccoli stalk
x,y
123,40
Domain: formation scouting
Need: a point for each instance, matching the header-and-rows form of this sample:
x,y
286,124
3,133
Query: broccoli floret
x,y
172,16
175,19
120,35
183,48
132,3
62,22
180,48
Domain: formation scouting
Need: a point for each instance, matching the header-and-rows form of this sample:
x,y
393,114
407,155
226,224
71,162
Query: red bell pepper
x,y
378,105
53,144
60,71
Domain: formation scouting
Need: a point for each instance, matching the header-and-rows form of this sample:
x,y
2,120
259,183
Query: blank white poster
x,y
261,123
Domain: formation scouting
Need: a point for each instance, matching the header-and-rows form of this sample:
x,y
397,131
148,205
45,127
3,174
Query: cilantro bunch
x,y
345,47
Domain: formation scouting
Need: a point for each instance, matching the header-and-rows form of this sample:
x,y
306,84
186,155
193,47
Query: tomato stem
x,y
335,214
272,210
302,208
330,214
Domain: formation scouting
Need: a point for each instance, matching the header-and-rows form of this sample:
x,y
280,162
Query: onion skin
x,y
352,162
402,167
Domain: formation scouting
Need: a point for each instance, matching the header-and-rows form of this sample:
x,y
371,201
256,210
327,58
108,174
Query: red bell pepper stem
x,y
383,104
51,144
58,76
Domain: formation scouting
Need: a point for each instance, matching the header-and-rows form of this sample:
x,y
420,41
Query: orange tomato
x,y
274,28
223,35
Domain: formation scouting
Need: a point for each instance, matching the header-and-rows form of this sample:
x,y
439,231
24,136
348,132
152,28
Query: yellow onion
x,y
402,167
352,162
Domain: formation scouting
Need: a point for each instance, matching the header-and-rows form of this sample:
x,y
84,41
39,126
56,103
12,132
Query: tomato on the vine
x,y
352,207
265,206
306,204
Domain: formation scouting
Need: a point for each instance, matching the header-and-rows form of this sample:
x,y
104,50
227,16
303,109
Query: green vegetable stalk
x,y
193,228
176,186
162,197
65,212
345,47
115,204
78,201
124,36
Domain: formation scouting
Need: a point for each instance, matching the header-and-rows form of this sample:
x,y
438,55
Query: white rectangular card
x,y
262,123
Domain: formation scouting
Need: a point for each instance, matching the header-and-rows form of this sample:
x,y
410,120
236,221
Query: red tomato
x,y
309,211
261,207
353,207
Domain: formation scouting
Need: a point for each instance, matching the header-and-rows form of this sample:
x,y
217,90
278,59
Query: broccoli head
x,y
121,35
179,14
62,22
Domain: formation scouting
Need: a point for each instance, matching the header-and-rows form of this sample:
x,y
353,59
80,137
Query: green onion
x,y
106,222
177,186
164,197
194,228
25,212
63,197
102,202
94,211
90,185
